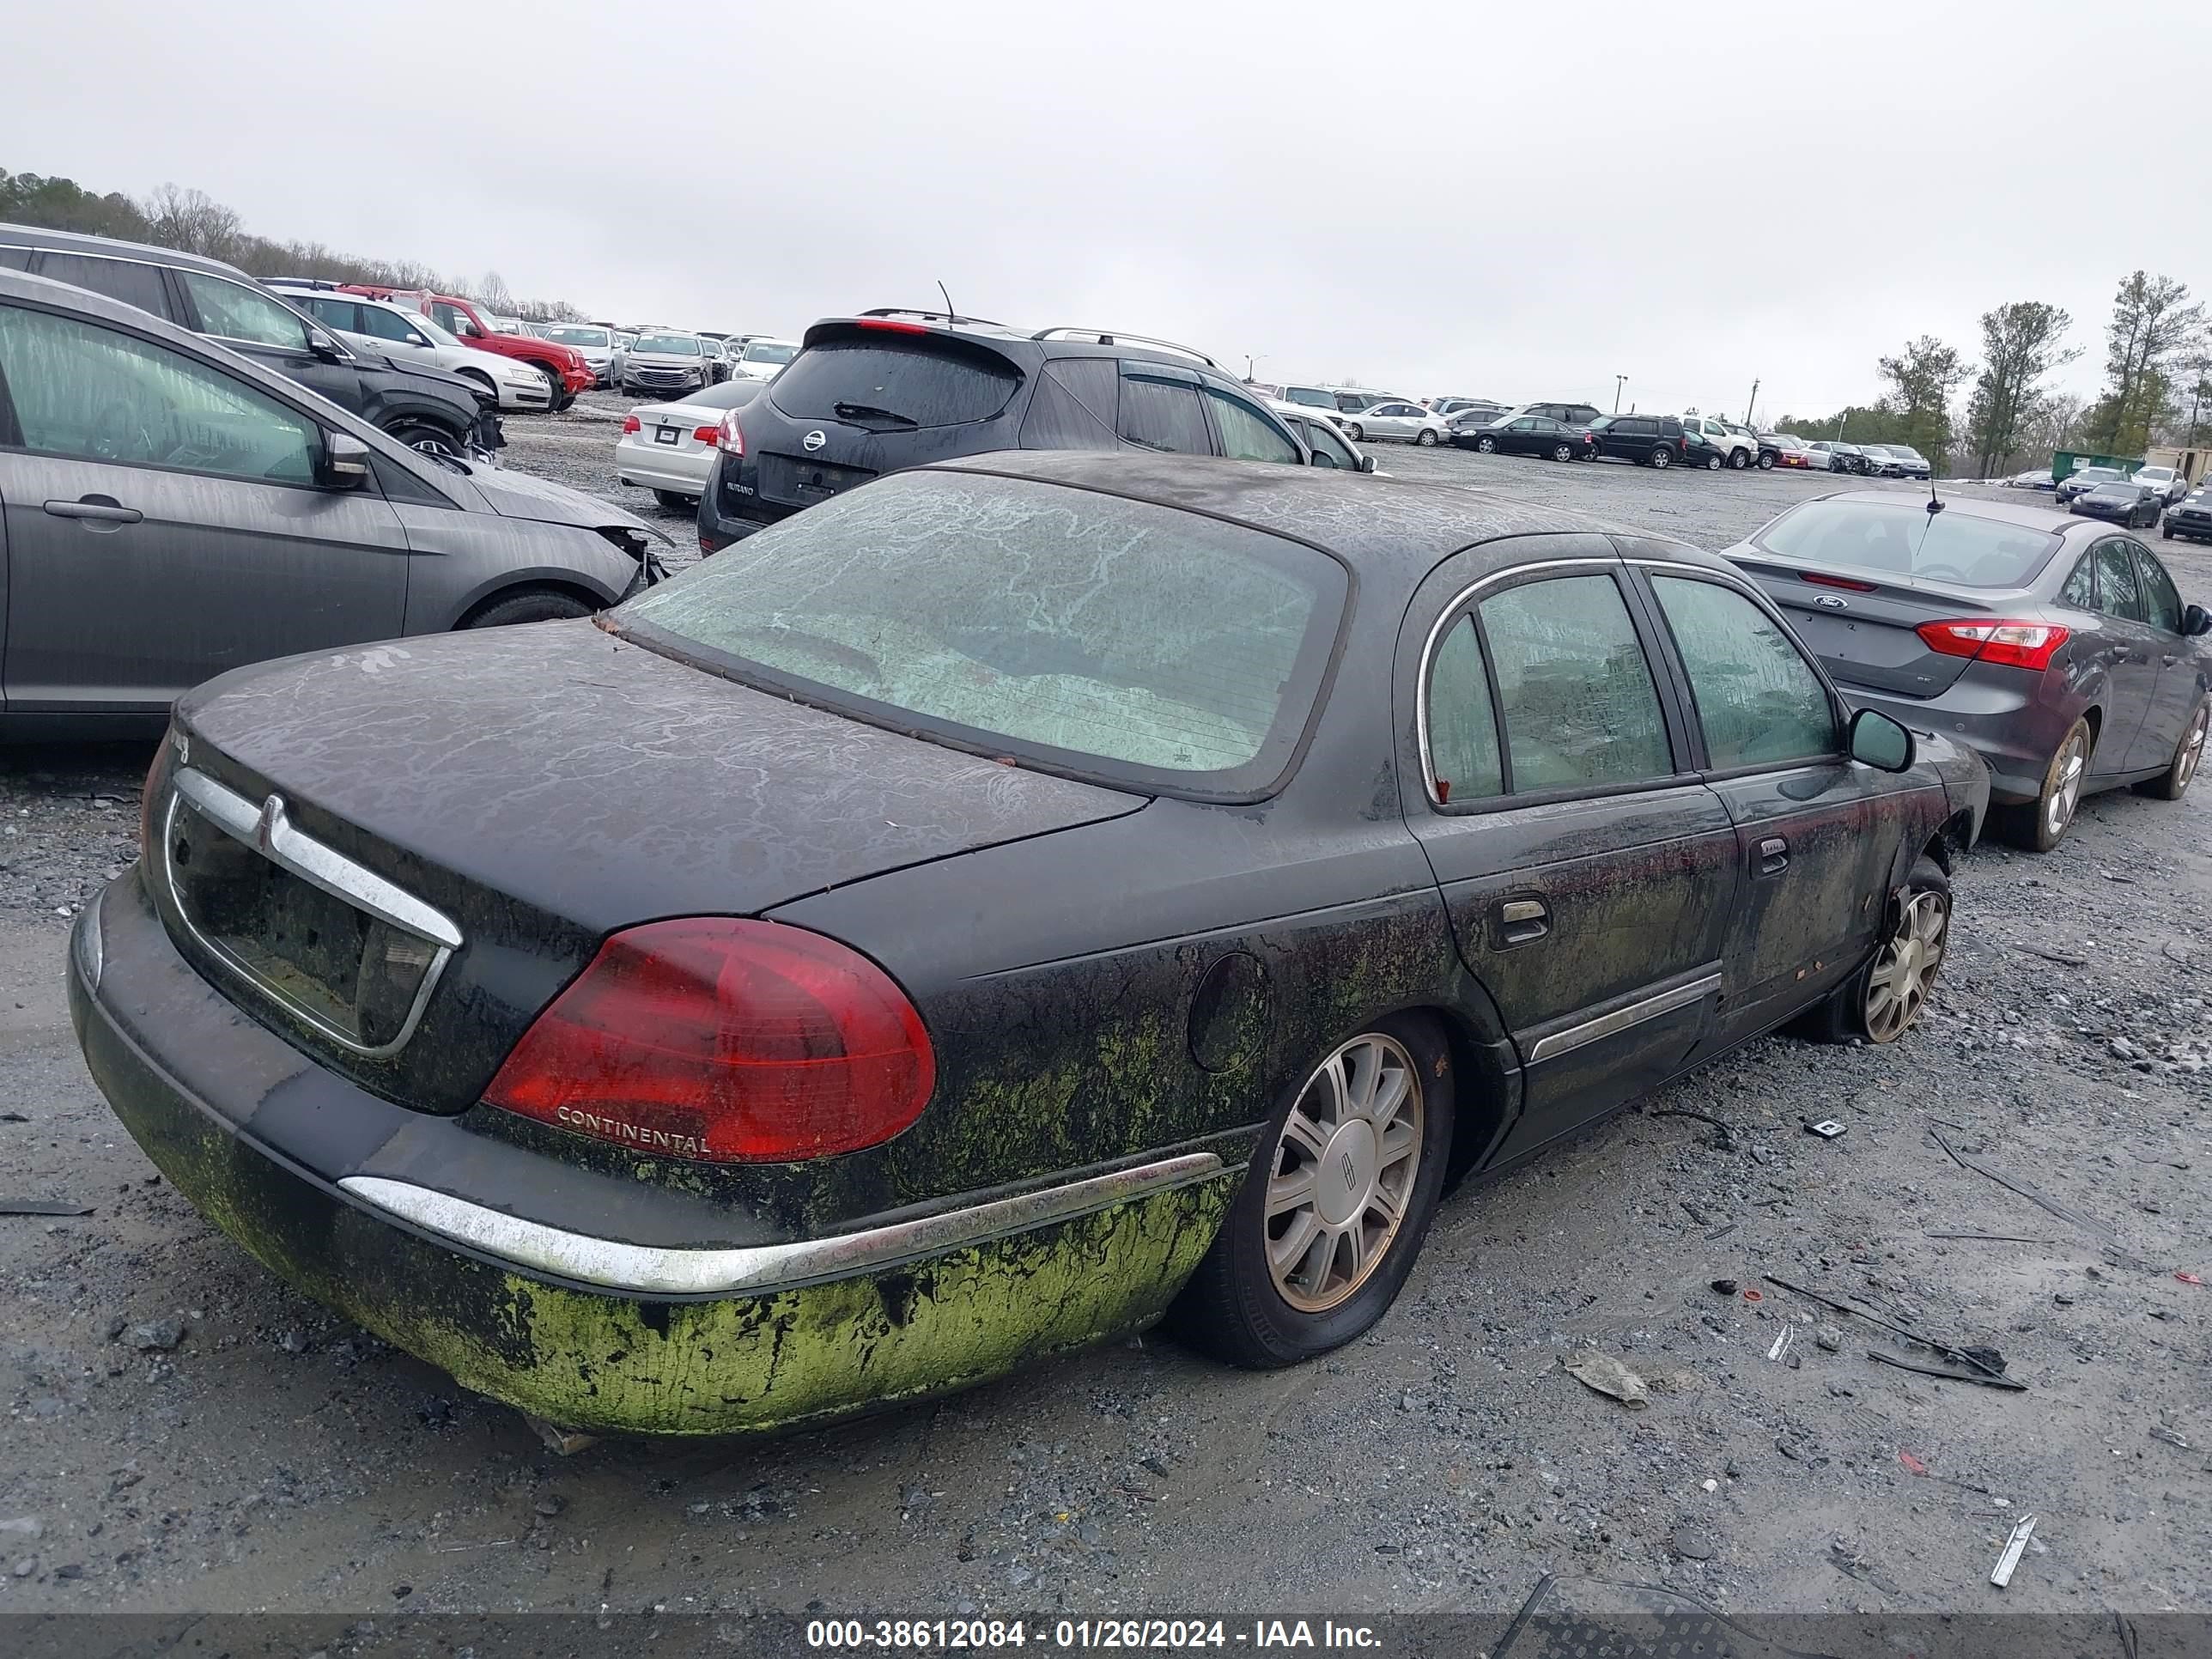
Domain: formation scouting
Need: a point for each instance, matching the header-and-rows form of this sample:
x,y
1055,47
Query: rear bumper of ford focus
x,y
590,1314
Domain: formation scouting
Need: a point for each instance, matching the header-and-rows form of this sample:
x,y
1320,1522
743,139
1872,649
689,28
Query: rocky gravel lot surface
x,y
186,1433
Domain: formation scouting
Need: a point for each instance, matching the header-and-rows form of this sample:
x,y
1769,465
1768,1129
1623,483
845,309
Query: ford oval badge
x,y
814,440
1828,600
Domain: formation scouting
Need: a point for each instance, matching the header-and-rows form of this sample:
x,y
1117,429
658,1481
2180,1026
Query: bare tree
x,y
2019,346
492,294
193,221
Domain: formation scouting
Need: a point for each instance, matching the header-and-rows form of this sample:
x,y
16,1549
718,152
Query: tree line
x,y
2158,386
192,222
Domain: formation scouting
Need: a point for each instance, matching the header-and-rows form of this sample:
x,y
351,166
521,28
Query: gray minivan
x,y
171,510
422,406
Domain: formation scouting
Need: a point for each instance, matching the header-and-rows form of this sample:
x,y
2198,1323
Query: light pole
x,y
1619,381
1755,403
1249,363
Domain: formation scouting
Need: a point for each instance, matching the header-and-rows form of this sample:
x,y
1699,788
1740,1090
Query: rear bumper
x,y
655,467
1998,712
595,1332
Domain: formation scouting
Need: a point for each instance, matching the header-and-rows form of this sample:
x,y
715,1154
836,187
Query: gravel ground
x,y
186,1433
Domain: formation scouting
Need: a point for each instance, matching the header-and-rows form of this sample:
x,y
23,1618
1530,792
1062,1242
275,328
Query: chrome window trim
x,y
1605,1025
764,1268
1449,615
269,831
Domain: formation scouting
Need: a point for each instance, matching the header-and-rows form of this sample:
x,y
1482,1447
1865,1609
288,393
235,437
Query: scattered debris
x,y
2169,1437
1609,1377
1728,1136
2015,1546
2041,1201
2058,957
1987,1360
550,1505
1783,1343
565,1443
24,1526
2189,1278
1829,1338
1912,1464
157,1335
1991,1238
42,1207
1725,1286
1610,1616
1692,1544
2010,1385
1827,1128
1755,1296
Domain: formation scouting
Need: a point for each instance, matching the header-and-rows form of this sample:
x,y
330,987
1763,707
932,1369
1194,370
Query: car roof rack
x,y
950,317
1116,336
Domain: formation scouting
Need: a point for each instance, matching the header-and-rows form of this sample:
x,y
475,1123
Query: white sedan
x,y
669,448
1404,423
405,336
763,358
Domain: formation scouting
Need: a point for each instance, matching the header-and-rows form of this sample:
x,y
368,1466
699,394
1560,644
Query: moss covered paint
x,y
727,1366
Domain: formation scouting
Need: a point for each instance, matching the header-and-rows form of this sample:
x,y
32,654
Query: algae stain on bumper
x,y
826,1351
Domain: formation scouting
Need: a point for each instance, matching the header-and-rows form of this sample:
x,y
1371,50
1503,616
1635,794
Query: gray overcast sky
x,y
1460,198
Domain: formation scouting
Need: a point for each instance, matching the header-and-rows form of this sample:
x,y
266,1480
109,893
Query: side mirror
x,y
2196,619
325,347
345,461
1880,742
1366,463
467,330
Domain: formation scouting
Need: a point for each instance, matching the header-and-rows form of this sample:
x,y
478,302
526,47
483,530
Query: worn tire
x,y
532,605
556,385
1425,439
2030,827
1765,462
1853,1009
2187,754
1662,460
1713,463
676,501
1356,432
429,439
1232,1307
1738,460
1488,446
1563,452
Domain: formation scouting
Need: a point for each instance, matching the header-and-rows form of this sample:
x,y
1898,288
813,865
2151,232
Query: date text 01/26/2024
x,y
950,1635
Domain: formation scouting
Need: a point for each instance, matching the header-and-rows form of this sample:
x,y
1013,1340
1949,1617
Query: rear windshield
x,y
918,381
1907,540
1105,637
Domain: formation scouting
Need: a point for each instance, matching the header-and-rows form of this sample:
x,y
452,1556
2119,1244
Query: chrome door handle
x,y
99,511
1773,856
1522,920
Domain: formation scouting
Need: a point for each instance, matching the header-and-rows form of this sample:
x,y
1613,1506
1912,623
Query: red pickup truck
x,y
563,366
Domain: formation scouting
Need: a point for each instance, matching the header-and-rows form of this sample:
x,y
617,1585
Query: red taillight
x,y
729,437
1819,580
2013,644
631,423
713,1038
705,434
884,324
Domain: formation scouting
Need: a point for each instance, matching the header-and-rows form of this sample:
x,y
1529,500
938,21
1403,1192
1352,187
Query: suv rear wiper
x,y
869,412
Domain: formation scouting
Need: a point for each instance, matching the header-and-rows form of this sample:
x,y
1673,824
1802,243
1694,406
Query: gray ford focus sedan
x,y
169,510
2056,647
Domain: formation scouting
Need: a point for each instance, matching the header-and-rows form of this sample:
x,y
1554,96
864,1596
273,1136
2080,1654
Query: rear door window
x,y
1464,761
1161,411
382,325
1581,708
126,280
1072,407
914,380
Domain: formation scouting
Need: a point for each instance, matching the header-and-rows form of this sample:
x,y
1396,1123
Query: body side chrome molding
x,y
761,1268
1605,1025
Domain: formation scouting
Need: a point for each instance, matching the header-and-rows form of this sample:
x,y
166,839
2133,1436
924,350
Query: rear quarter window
x,y
926,381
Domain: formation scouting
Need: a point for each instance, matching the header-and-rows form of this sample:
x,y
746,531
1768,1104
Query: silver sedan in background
x,y
1401,422
669,448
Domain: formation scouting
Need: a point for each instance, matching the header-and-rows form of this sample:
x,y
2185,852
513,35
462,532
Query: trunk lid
x,y
539,787
1861,625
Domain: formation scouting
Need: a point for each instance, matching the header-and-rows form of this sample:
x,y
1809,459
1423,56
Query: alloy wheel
x,y
2073,761
429,444
2192,748
1904,972
1342,1176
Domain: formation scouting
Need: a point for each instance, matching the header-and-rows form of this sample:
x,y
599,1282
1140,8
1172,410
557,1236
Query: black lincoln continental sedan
x,y
1006,904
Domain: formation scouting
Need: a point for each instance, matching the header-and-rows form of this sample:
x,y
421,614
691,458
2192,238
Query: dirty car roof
x,y
1366,521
